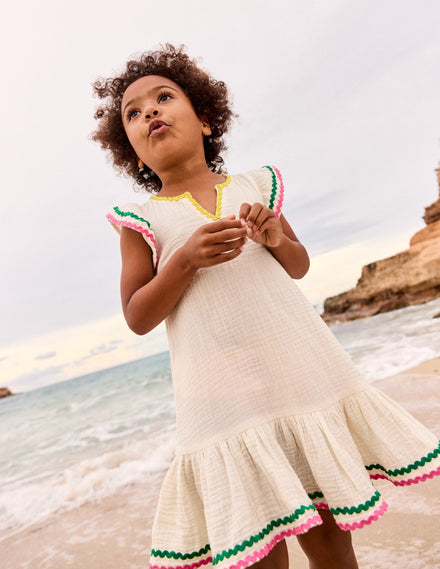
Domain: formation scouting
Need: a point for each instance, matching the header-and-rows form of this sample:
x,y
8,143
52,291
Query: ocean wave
x,y
88,480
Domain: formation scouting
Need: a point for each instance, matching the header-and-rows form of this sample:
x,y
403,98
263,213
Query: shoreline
x,y
114,532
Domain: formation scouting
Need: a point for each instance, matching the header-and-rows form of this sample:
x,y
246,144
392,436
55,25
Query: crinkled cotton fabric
x,y
274,422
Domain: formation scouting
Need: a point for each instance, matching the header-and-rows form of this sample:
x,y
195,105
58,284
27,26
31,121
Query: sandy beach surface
x,y
115,532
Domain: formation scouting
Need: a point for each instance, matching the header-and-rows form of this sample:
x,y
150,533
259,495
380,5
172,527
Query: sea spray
x,y
83,439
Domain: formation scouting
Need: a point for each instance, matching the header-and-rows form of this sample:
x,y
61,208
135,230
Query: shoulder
x,y
134,216
269,182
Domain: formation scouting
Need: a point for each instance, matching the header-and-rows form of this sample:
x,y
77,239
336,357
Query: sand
x,y
114,532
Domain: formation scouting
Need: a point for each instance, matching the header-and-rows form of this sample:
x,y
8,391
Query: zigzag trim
x,y
280,194
277,192
195,203
191,566
262,534
142,225
256,555
361,523
408,481
130,214
347,510
315,495
357,509
264,551
407,469
178,555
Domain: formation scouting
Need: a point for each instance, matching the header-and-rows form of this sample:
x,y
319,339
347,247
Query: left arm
x,y
276,234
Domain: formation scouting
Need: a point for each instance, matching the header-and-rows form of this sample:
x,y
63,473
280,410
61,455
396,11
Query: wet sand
x,y
114,533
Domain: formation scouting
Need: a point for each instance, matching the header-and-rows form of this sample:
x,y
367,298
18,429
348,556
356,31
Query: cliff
x,y
5,392
410,277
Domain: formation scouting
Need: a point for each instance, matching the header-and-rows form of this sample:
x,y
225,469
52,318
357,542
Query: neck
x,y
180,178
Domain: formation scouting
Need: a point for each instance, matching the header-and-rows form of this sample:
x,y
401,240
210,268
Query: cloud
x,y
98,351
40,378
46,356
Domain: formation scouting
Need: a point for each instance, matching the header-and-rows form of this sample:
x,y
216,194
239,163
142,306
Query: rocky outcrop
x,y
432,212
410,277
5,392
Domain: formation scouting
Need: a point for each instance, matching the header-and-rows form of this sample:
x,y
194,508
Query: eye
x,y
164,96
131,113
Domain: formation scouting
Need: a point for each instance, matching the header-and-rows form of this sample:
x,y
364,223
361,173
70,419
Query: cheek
x,y
134,140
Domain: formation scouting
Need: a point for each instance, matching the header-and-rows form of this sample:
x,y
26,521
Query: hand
x,y
262,225
215,243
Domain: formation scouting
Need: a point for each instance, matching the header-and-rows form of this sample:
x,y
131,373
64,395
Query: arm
x,y
264,227
147,299
290,253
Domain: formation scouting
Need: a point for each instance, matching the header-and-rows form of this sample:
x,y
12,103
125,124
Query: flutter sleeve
x,y
270,184
130,215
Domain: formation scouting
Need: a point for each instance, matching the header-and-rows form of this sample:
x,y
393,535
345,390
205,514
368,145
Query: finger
x,y
254,214
265,216
228,234
245,208
267,224
224,257
228,222
228,246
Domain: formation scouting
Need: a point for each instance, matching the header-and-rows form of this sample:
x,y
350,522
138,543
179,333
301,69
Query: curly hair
x,y
208,97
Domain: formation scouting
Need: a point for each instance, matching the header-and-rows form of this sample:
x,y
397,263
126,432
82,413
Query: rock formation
x,y
410,277
5,392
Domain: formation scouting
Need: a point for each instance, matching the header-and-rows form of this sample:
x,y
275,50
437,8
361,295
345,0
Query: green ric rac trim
x,y
130,214
357,509
315,495
353,509
178,555
407,469
261,535
274,187
266,531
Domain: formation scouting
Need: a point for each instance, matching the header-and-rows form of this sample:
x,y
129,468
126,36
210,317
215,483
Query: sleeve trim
x,y
277,193
142,225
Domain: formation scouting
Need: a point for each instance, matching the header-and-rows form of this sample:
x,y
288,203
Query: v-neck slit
x,y
196,204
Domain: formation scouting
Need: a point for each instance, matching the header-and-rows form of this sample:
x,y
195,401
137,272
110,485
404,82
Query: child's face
x,y
161,124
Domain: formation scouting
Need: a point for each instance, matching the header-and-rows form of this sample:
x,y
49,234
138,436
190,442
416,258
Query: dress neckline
x,y
187,195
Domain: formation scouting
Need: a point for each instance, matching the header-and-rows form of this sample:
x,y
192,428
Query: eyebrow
x,y
158,88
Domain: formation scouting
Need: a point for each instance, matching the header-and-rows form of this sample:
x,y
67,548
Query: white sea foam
x,y
389,343
70,443
87,480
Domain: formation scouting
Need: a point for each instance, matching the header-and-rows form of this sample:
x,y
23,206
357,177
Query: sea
x,y
84,439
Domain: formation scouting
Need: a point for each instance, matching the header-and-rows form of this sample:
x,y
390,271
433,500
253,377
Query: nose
x,y
151,113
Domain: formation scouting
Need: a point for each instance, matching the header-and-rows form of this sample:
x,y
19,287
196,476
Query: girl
x,y
277,434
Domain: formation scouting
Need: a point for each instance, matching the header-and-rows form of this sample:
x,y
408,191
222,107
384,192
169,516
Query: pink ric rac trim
x,y
132,225
409,481
190,566
257,555
264,551
281,194
361,523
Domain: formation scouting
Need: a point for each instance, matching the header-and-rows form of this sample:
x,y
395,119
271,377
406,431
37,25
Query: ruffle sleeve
x,y
130,215
270,183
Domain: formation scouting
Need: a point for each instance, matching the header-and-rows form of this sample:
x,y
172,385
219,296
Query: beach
x,y
114,532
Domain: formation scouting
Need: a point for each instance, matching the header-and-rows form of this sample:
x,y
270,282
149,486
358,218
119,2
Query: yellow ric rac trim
x,y
188,196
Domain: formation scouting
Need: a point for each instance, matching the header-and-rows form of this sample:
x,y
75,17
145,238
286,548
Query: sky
x,y
343,97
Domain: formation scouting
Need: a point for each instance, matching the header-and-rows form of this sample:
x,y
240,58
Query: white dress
x,y
274,422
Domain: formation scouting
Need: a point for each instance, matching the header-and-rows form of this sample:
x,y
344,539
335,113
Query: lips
x,y
156,126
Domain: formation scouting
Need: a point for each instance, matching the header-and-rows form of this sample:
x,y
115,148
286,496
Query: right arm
x,y
147,299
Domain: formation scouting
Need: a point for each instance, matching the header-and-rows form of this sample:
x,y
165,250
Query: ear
x,y
140,164
206,129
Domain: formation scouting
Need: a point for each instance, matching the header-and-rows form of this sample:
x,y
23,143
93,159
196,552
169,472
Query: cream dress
x,y
274,422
